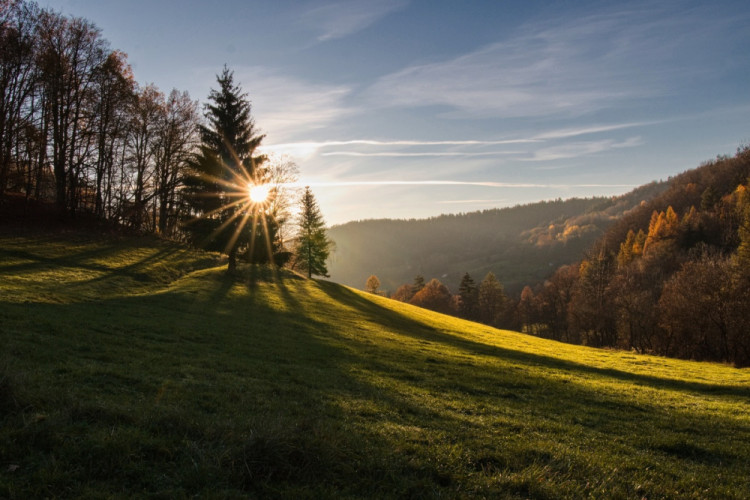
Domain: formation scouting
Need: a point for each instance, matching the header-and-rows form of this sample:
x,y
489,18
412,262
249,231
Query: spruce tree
x,y
491,300
217,188
313,245
469,295
418,284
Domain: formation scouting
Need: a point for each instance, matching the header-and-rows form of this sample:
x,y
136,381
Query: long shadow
x,y
388,317
311,437
136,270
373,311
226,283
75,260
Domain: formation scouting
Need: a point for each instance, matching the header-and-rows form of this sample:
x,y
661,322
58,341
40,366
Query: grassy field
x,y
137,368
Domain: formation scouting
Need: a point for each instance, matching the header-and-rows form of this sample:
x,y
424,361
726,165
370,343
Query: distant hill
x,y
133,367
521,245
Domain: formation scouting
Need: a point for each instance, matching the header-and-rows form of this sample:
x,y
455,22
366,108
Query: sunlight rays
x,y
246,200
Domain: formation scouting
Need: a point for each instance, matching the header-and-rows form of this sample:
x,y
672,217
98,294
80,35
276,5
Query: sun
x,y
259,192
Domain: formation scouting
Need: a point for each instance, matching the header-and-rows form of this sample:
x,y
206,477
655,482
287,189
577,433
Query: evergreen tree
x,y
313,246
217,189
491,300
469,297
418,284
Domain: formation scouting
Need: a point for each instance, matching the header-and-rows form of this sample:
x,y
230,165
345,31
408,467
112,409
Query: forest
x,y
671,277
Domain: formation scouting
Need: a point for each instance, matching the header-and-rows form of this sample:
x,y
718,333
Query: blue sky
x,y
402,109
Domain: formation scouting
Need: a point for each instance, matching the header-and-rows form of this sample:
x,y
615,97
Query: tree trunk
x,y
232,266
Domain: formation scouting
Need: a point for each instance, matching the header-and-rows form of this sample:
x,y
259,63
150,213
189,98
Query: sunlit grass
x,y
138,369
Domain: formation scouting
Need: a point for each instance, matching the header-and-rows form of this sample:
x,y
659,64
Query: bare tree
x,y
70,51
114,86
18,25
176,137
148,110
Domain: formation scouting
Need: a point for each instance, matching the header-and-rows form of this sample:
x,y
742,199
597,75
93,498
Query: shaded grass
x,y
128,368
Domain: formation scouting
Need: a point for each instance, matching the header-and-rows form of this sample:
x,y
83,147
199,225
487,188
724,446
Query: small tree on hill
x,y
469,297
491,300
313,245
434,296
404,293
372,284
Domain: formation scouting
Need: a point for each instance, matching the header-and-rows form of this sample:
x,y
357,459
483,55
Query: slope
x,y
133,368
522,245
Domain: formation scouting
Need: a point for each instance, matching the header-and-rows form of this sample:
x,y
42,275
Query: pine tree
x,y
491,300
418,284
469,297
313,246
217,189
231,132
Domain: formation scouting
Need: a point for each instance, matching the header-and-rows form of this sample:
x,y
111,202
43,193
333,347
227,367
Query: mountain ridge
x,y
522,245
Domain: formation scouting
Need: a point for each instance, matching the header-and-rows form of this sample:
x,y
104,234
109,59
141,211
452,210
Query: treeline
x,y
485,302
77,130
671,278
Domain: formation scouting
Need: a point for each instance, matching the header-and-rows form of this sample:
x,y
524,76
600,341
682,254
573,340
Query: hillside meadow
x,y
134,367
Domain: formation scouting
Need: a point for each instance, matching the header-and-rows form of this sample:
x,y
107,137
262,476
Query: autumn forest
x,y
669,276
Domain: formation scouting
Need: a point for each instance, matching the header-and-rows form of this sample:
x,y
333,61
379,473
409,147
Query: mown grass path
x,y
135,368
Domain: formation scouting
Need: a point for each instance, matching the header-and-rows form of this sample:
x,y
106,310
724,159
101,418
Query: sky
x,y
414,108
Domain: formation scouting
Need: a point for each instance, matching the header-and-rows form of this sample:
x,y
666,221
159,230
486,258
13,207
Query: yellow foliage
x,y
625,256
663,226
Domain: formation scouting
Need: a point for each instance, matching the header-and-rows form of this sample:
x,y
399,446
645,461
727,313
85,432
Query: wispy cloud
x,y
594,129
340,19
285,106
581,148
363,148
404,154
489,184
567,67
473,202
309,148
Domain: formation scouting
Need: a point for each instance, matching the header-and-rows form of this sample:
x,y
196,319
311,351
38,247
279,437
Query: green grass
x,y
135,368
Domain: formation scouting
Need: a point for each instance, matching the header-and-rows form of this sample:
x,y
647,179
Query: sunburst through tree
x,y
226,190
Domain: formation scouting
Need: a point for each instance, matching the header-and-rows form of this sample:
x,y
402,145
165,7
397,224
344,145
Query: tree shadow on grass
x,y
92,260
408,326
254,410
